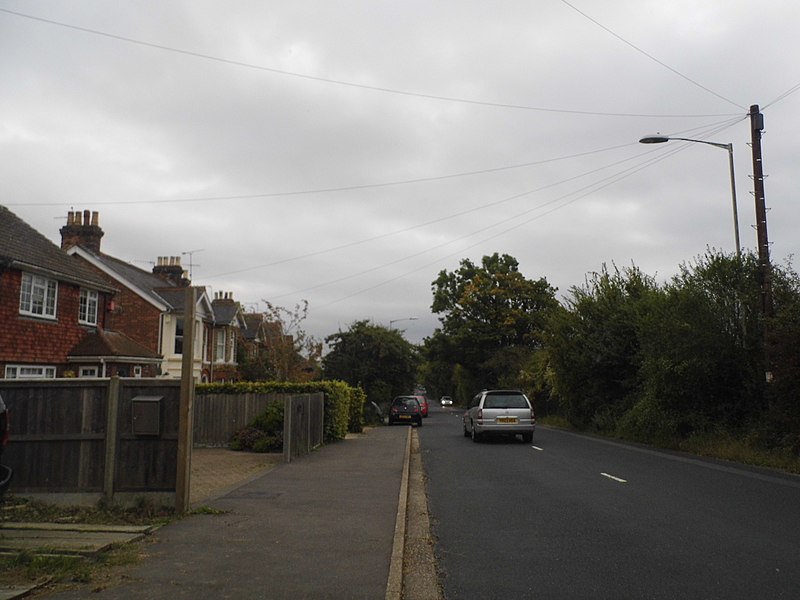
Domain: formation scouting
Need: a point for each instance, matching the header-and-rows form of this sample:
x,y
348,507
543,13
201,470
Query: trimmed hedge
x,y
344,404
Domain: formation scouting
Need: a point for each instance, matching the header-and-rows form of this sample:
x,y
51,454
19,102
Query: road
x,y
572,516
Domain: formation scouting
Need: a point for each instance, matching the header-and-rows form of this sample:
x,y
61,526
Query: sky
x,y
346,152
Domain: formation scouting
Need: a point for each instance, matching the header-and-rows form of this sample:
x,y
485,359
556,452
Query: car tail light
x,y
533,416
480,414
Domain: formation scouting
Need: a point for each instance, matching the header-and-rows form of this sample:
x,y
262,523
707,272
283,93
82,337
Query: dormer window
x,y
87,312
38,296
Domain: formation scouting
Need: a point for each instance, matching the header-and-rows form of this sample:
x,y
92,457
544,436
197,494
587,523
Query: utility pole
x,y
765,269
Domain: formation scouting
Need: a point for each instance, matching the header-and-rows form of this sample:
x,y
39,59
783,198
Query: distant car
x,y
446,401
405,409
5,472
423,403
499,412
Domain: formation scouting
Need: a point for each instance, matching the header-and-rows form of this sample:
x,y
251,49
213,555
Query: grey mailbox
x,y
146,415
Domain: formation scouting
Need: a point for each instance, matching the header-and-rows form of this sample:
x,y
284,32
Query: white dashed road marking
x,y
614,478
537,448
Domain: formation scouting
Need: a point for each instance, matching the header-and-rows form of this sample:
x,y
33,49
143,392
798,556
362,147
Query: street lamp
x,y
403,319
660,139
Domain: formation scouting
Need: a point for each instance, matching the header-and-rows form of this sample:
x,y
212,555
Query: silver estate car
x,y
506,412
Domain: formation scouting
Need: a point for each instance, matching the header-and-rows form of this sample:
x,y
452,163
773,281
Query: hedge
x,y
344,404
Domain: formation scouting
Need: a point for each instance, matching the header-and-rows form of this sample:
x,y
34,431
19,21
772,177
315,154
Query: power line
x,y
341,82
711,130
344,188
650,56
581,193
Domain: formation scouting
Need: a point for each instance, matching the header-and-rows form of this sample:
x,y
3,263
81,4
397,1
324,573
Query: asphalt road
x,y
573,516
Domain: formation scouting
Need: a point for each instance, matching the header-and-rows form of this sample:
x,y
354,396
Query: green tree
x,y
491,321
376,358
593,347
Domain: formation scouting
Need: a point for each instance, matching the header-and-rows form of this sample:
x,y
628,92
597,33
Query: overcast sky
x,y
345,152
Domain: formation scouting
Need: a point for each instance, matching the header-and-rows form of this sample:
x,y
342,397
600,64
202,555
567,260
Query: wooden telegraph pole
x,y
185,429
765,269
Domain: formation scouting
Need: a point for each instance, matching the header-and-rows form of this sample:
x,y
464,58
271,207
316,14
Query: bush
x,y
246,438
344,404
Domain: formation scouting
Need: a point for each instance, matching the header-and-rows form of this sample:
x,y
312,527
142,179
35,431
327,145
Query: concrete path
x,y
320,527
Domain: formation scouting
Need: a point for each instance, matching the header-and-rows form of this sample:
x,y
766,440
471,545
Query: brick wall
x,y
134,317
33,341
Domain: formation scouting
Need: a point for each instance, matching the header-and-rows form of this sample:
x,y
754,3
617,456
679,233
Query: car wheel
x,y
527,438
476,437
419,423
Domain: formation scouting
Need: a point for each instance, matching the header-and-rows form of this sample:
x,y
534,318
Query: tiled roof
x,y
22,246
144,281
175,296
253,323
225,311
111,343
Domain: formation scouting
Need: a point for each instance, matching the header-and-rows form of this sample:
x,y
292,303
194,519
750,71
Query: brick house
x,y
54,312
149,306
229,325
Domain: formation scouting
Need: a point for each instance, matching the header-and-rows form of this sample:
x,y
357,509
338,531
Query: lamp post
x,y
660,139
403,319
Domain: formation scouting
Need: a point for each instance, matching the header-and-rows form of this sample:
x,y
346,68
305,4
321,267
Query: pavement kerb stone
x,y
394,585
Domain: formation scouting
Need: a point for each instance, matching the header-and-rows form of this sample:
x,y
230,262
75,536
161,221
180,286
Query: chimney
x,y
84,232
169,269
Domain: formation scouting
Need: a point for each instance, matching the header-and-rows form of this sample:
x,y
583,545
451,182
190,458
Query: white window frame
x,y
89,372
220,345
87,307
38,296
30,372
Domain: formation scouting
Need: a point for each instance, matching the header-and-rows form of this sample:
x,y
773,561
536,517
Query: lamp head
x,y
654,139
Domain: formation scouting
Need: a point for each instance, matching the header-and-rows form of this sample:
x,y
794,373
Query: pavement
x,y
328,525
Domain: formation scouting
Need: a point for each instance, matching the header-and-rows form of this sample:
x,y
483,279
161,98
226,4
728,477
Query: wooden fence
x,y
84,439
218,416
302,425
79,440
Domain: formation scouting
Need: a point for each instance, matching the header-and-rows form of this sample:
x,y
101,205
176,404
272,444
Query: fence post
x,y
287,429
112,428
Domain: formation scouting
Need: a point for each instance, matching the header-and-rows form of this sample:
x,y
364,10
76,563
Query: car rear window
x,y
505,401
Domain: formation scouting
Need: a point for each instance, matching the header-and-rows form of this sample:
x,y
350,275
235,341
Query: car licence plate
x,y
405,416
507,420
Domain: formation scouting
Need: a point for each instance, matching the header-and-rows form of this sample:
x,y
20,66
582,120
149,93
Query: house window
x,y
88,372
137,371
219,350
38,296
179,336
29,372
87,313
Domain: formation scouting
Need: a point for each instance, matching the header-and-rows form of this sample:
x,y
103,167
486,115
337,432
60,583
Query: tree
x,y
378,359
492,320
593,346
286,352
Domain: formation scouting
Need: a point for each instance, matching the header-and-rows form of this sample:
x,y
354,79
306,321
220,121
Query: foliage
x,y
142,512
492,319
343,404
287,352
593,346
377,359
680,361
780,426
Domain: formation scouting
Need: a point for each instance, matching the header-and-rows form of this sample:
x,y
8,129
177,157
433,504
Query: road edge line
x,y
394,585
